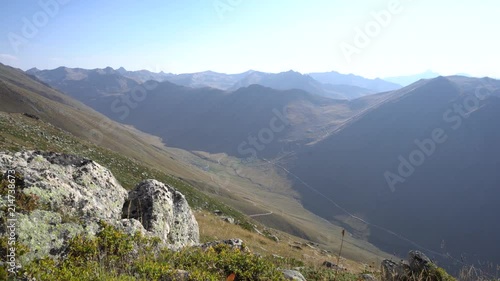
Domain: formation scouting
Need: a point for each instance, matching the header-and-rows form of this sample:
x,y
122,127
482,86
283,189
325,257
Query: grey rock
x,y
233,243
70,185
228,219
333,266
329,264
293,275
181,275
391,271
420,267
419,261
274,238
164,212
368,277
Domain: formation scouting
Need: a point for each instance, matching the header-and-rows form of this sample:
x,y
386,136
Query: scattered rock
x,y
293,275
332,265
297,247
31,116
233,243
274,238
181,275
368,277
329,264
228,219
311,245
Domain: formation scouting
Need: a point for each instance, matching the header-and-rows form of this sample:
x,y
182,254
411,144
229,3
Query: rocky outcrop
x,y
73,194
68,184
164,212
419,261
419,267
392,271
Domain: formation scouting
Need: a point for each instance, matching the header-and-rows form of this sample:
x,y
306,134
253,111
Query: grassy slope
x,y
20,132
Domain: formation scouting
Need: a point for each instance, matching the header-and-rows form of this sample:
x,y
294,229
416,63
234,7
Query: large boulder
x,y
164,212
71,185
74,194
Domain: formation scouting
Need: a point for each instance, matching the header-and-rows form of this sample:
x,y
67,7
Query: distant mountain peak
x,y
32,70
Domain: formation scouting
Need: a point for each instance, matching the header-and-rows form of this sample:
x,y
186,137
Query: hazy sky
x,y
233,36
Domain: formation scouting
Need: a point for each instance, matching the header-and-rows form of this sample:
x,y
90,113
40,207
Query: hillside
x,y
437,201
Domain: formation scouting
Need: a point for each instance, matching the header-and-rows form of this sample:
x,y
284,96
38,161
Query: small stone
x,y
293,275
368,277
228,219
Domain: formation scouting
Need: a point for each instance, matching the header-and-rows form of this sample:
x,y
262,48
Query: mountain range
x,y
409,79
338,86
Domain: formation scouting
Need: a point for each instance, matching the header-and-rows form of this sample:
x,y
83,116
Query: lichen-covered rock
x,y
68,184
75,194
44,233
164,212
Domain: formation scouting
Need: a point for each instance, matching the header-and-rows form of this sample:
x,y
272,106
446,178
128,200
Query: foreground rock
x,y
72,185
420,267
163,212
74,194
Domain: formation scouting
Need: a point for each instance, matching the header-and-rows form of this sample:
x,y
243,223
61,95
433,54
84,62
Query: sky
x,y
377,38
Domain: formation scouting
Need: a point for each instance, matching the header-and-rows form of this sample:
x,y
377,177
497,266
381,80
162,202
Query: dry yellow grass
x,y
214,228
